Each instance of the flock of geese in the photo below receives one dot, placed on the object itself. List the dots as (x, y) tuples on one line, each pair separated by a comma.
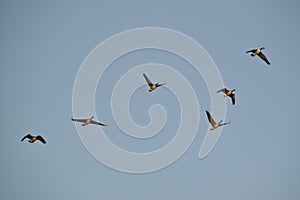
[(153, 86)]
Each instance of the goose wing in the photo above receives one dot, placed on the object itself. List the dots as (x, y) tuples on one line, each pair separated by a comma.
[(225, 123), (210, 119), (161, 84), (147, 80), (262, 56), (97, 123), (222, 90), (26, 136), (251, 51), (40, 138), (232, 96), (78, 120)]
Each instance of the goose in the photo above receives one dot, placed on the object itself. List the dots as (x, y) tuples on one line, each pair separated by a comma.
[(258, 52), (214, 124), (32, 138), (88, 121), (228, 93), (152, 86)]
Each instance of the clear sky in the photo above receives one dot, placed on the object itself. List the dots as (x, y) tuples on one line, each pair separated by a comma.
[(43, 44)]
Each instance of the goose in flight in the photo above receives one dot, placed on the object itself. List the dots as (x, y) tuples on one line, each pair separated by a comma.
[(152, 86), (214, 124), (86, 122), (258, 52), (32, 138), (228, 93)]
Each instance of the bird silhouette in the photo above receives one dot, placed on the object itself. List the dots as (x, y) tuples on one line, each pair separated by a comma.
[(213, 123), (228, 93), (258, 52), (88, 121), (151, 85), (32, 138)]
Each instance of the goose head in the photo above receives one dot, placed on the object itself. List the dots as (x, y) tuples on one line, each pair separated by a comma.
[(262, 48)]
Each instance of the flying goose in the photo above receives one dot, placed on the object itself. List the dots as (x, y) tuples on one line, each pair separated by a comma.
[(88, 121), (258, 52), (213, 123), (32, 138), (228, 93), (152, 86)]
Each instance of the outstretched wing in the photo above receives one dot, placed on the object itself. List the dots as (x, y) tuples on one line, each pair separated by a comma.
[(26, 136), (147, 80), (232, 98), (160, 84), (210, 118), (78, 120), (226, 123), (222, 90), (40, 138), (97, 123), (252, 51), (262, 56)]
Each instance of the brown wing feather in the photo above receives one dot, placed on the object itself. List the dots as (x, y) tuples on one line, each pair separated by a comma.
[(40, 138), (262, 56), (232, 98), (226, 123), (252, 51), (97, 123), (26, 136), (147, 80), (78, 120), (222, 90), (161, 84), (210, 118)]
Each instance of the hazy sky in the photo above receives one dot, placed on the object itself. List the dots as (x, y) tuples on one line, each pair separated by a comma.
[(43, 44)]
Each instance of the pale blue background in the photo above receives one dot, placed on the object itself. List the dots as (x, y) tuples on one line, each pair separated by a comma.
[(42, 46)]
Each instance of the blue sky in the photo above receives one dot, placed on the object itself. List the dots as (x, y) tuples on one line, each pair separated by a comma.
[(43, 44)]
